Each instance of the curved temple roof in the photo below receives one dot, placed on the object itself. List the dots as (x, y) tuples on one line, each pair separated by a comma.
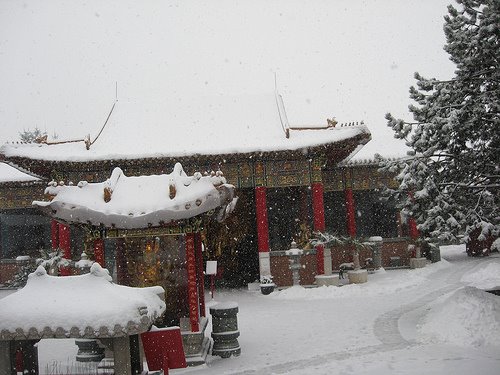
[(84, 306), (8, 173), (139, 202), (179, 127)]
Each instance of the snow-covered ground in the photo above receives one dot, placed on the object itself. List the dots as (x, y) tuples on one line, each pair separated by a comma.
[(426, 321)]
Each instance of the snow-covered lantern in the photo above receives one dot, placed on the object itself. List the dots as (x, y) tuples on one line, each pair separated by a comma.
[(294, 254)]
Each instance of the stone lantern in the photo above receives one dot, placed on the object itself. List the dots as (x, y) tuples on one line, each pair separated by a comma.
[(376, 243), (294, 254)]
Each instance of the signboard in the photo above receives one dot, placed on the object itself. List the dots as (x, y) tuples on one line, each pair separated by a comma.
[(211, 267)]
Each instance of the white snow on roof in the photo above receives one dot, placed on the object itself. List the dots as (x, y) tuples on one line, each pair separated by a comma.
[(180, 126), (353, 60), (90, 300), (10, 174), (137, 202)]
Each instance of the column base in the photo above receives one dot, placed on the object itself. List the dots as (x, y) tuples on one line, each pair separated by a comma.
[(196, 345), (264, 263), (418, 262), (357, 277)]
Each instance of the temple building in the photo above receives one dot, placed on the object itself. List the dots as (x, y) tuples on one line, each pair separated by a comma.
[(291, 180)]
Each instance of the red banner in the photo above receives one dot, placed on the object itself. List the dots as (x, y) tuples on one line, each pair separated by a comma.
[(192, 283)]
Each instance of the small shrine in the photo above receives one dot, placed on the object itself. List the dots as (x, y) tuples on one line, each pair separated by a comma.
[(86, 306), (153, 226)]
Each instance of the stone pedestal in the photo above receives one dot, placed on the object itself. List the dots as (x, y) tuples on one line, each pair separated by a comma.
[(418, 263), (327, 280), (357, 276), (196, 345), (376, 243), (294, 254), (225, 329), (327, 255)]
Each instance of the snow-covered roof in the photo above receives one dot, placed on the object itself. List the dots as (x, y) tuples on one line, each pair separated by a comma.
[(138, 202), (89, 305), (178, 126), (8, 173)]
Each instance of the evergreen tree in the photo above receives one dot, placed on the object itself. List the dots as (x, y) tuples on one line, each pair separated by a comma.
[(30, 136), (52, 260), (450, 181), (20, 278)]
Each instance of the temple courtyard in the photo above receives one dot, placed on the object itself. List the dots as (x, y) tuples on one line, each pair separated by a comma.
[(433, 320)]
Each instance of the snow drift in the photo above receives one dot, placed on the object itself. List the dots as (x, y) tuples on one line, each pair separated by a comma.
[(466, 317)]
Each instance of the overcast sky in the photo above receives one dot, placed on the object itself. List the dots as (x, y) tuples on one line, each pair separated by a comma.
[(353, 60)]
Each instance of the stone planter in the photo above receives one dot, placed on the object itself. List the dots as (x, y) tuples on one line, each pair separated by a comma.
[(357, 276), (327, 280), (418, 263), (266, 289)]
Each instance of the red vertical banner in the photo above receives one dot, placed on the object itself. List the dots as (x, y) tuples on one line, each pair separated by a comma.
[(192, 283), (54, 234), (65, 246), (99, 252), (200, 273), (351, 218), (262, 223), (318, 223)]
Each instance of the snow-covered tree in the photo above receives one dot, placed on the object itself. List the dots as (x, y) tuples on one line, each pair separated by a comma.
[(20, 278), (450, 181), (52, 260), (30, 136)]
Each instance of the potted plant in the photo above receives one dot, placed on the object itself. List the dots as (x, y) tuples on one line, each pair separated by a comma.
[(267, 284)]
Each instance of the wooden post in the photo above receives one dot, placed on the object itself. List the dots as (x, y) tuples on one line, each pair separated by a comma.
[(200, 273), (319, 223), (65, 246), (318, 209), (351, 216), (192, 283), (121, 351), (262, 230), (54, 231), (5, 358), (262, 222), (99, 252), (412, 228), (123, 277)]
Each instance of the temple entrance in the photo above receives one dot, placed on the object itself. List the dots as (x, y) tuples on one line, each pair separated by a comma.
[(233, 244), (156, 260)]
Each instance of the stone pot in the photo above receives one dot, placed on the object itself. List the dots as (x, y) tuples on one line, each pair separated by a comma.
[(266, 289)]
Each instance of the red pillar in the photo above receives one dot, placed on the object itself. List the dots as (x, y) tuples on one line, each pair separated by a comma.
[(54, 231), (351, 218), (318, 223), (412, 229), (194, 318), (65, 246), (262, 223), (201, 275), (99, 252)]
